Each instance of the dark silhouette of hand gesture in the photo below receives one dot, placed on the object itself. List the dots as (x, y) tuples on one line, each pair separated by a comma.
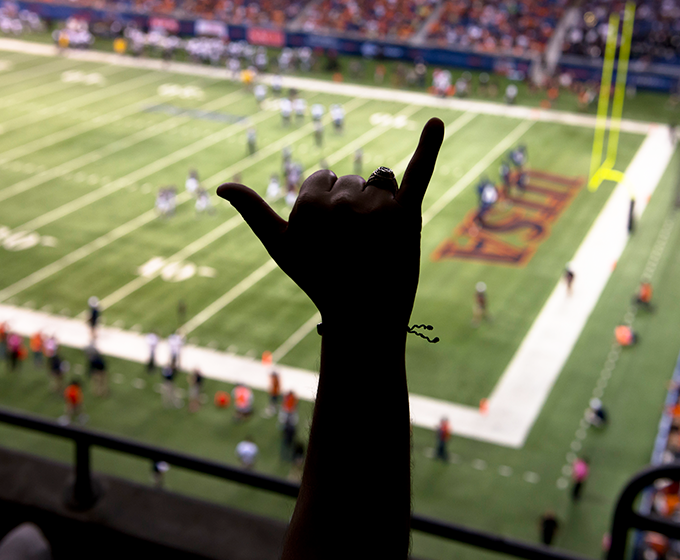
[(353, 246)]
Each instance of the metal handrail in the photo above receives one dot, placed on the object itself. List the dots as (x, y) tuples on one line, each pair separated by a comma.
[(84, 492)]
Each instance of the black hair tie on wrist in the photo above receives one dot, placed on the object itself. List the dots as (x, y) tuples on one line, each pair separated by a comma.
[(411, 330)]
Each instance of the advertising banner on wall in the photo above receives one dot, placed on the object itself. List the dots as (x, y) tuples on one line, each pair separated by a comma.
[(210, 27), (168, 24), (265, 37)]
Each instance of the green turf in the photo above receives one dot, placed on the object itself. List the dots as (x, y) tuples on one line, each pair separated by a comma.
[(463, 368)]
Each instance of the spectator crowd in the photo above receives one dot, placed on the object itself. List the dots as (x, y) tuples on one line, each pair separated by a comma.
[(516, 27), (656, 32)]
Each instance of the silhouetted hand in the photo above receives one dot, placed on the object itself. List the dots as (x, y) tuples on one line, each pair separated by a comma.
[(352, 246)]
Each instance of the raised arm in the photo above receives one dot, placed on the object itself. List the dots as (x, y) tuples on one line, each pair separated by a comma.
[(354, 247)]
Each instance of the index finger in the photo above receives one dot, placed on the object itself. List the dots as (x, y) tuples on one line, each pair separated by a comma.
[(419, 171)]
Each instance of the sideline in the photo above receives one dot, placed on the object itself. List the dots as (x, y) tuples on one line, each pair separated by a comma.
[(320, 86)]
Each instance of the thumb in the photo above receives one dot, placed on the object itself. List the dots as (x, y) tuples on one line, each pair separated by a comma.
[(264, 222)]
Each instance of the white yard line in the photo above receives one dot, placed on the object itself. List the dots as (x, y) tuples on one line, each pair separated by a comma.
[(333, 88), (219, 304), (446, 198), (100, 153), (66, 106)]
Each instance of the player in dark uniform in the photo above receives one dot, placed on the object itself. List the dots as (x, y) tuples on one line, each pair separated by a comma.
[(506, 178), (569, 277), (93, 304), (480, 308)]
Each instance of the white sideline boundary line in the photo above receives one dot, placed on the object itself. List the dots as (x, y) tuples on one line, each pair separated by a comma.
[(519, 395), (350, 90), (100, 153), (439, 204)]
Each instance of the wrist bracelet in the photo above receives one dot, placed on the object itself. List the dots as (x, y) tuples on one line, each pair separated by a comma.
[(410, 330)]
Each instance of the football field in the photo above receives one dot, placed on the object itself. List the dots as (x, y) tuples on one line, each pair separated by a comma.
[(84, 149)]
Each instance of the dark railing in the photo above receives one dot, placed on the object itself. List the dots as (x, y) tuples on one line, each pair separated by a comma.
[(84, 491)]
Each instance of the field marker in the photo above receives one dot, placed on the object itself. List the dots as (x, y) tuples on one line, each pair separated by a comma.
[(45, 89), (75, 104), (37, 71), (102, 152)]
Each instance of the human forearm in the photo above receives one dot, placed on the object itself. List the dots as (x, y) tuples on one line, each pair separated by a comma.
[(355, 494)]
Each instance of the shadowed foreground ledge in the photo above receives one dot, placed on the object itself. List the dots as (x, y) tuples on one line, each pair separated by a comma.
[(129, 520)]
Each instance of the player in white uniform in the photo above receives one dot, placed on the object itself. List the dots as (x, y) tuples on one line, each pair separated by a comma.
[(338, 116), (277, 84), (300, 107), (317, 111), (192, 182), (260, 93), (203, 202), (286, 109)]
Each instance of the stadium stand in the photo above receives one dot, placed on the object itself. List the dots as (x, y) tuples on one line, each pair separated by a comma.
[(663, 499), (497, 25), (394, 20), (656, 35)]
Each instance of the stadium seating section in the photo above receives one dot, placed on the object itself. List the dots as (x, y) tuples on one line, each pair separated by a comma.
[(656, 36), (509, 26)]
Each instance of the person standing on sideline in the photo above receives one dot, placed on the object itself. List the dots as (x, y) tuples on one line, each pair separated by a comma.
[(73, 397), (644, 295), (288, 439), (243, 402), (569, 278), (251, 135), (246, 451), (195, 387), (175, 342), (152, 341), (168, 387), (548, 526), (580, 471), (4, 329), (358, 161), (480, 307), (274, 395), (443, 436), (95, 313), (36, 344)]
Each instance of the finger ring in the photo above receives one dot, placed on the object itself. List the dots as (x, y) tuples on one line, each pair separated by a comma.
[(383, 178)]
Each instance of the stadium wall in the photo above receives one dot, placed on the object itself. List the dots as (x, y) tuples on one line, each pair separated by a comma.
[(658, 77)]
